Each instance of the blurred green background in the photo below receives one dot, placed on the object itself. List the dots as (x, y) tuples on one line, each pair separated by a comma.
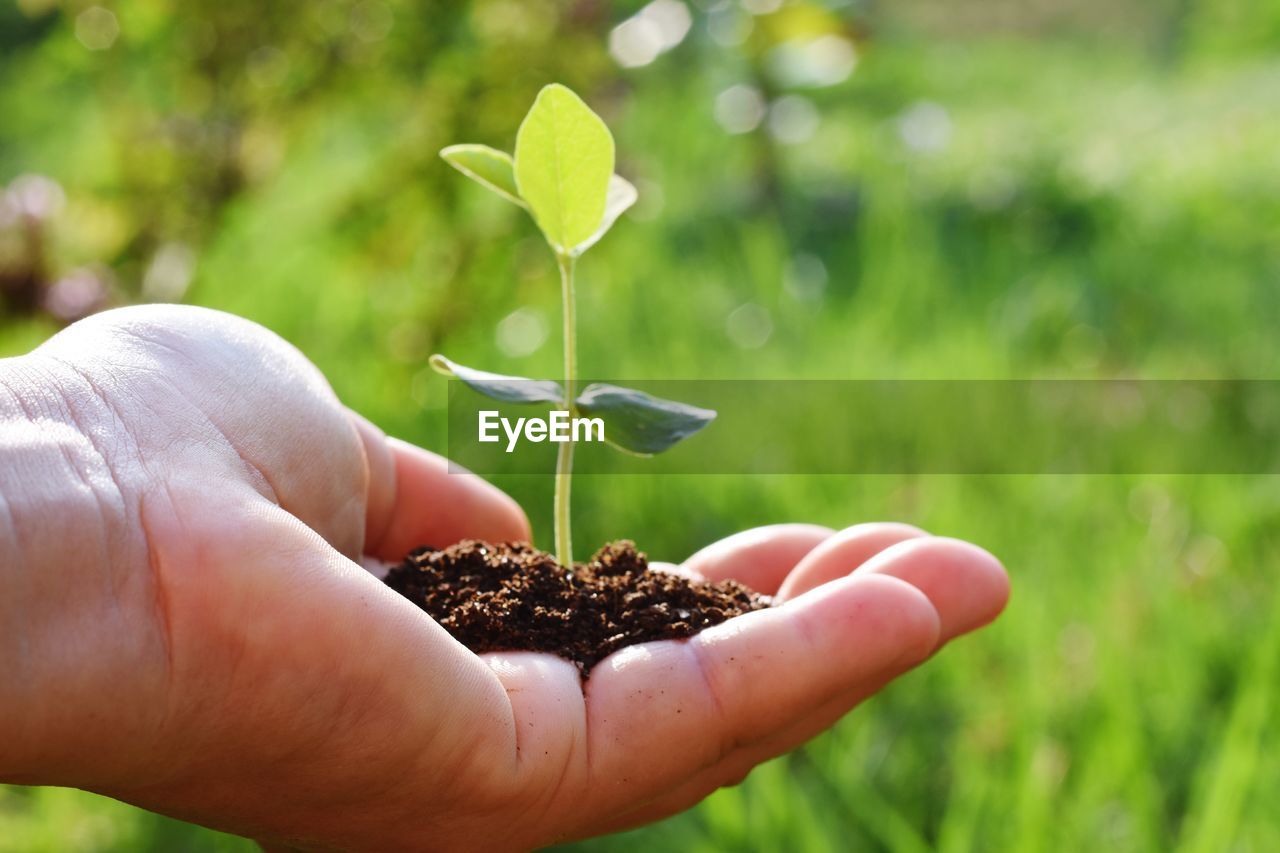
[(828, 190)]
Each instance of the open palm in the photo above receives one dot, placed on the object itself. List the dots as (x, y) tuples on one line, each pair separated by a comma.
[(261, 681)]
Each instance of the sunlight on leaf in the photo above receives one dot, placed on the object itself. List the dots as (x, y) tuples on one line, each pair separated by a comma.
[(563, 167)]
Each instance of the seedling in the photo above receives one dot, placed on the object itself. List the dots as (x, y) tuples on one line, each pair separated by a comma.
[(562, 173)]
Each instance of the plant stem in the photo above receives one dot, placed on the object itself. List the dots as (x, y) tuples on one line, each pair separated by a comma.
[(564, 458)]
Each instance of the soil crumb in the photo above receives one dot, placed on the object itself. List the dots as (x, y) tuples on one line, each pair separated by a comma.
[(513, 597)]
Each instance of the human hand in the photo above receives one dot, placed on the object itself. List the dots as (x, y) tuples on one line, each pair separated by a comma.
[(207, 646)]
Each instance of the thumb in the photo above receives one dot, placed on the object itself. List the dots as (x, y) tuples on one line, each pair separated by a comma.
[(416, 498)]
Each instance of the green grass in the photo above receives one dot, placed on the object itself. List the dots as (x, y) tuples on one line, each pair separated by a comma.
[(1091, 216)]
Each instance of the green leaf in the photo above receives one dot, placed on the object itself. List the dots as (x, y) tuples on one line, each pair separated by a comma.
[(487, 166), (622, 194), (507, 389), (641, 423), (564, 160)]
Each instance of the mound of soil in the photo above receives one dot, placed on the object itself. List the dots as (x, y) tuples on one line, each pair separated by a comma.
[(513, 597)]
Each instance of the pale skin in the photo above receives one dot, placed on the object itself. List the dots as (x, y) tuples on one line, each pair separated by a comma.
[(185, 623)]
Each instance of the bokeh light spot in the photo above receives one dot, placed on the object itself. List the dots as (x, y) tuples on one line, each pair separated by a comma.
[(805, 278), (749, 326), (823, 61), (371, 21), (740, 108), (521, 333), (925, 127), (169, 273), (793, 119), (97, 28), (729, 26), (649, 33)]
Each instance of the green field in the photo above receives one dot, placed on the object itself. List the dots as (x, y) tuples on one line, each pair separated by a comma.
[(1046, 204)]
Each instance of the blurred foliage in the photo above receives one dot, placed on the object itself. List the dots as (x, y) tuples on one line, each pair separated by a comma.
[(834, 190)]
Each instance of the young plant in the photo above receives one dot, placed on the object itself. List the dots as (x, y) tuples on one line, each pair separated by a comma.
[(562, 173)]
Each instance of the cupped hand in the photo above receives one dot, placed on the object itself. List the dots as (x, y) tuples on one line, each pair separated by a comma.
[(224, 658)]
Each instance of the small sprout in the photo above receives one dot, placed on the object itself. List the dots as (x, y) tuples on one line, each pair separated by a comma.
[(562, 173)]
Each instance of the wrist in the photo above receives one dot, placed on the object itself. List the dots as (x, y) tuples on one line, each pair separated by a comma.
[(64, 526)]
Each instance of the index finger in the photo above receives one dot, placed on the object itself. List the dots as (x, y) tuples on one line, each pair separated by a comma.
[(759, 558)]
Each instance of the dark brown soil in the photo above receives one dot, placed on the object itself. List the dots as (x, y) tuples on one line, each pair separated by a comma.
[(513, 597)]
